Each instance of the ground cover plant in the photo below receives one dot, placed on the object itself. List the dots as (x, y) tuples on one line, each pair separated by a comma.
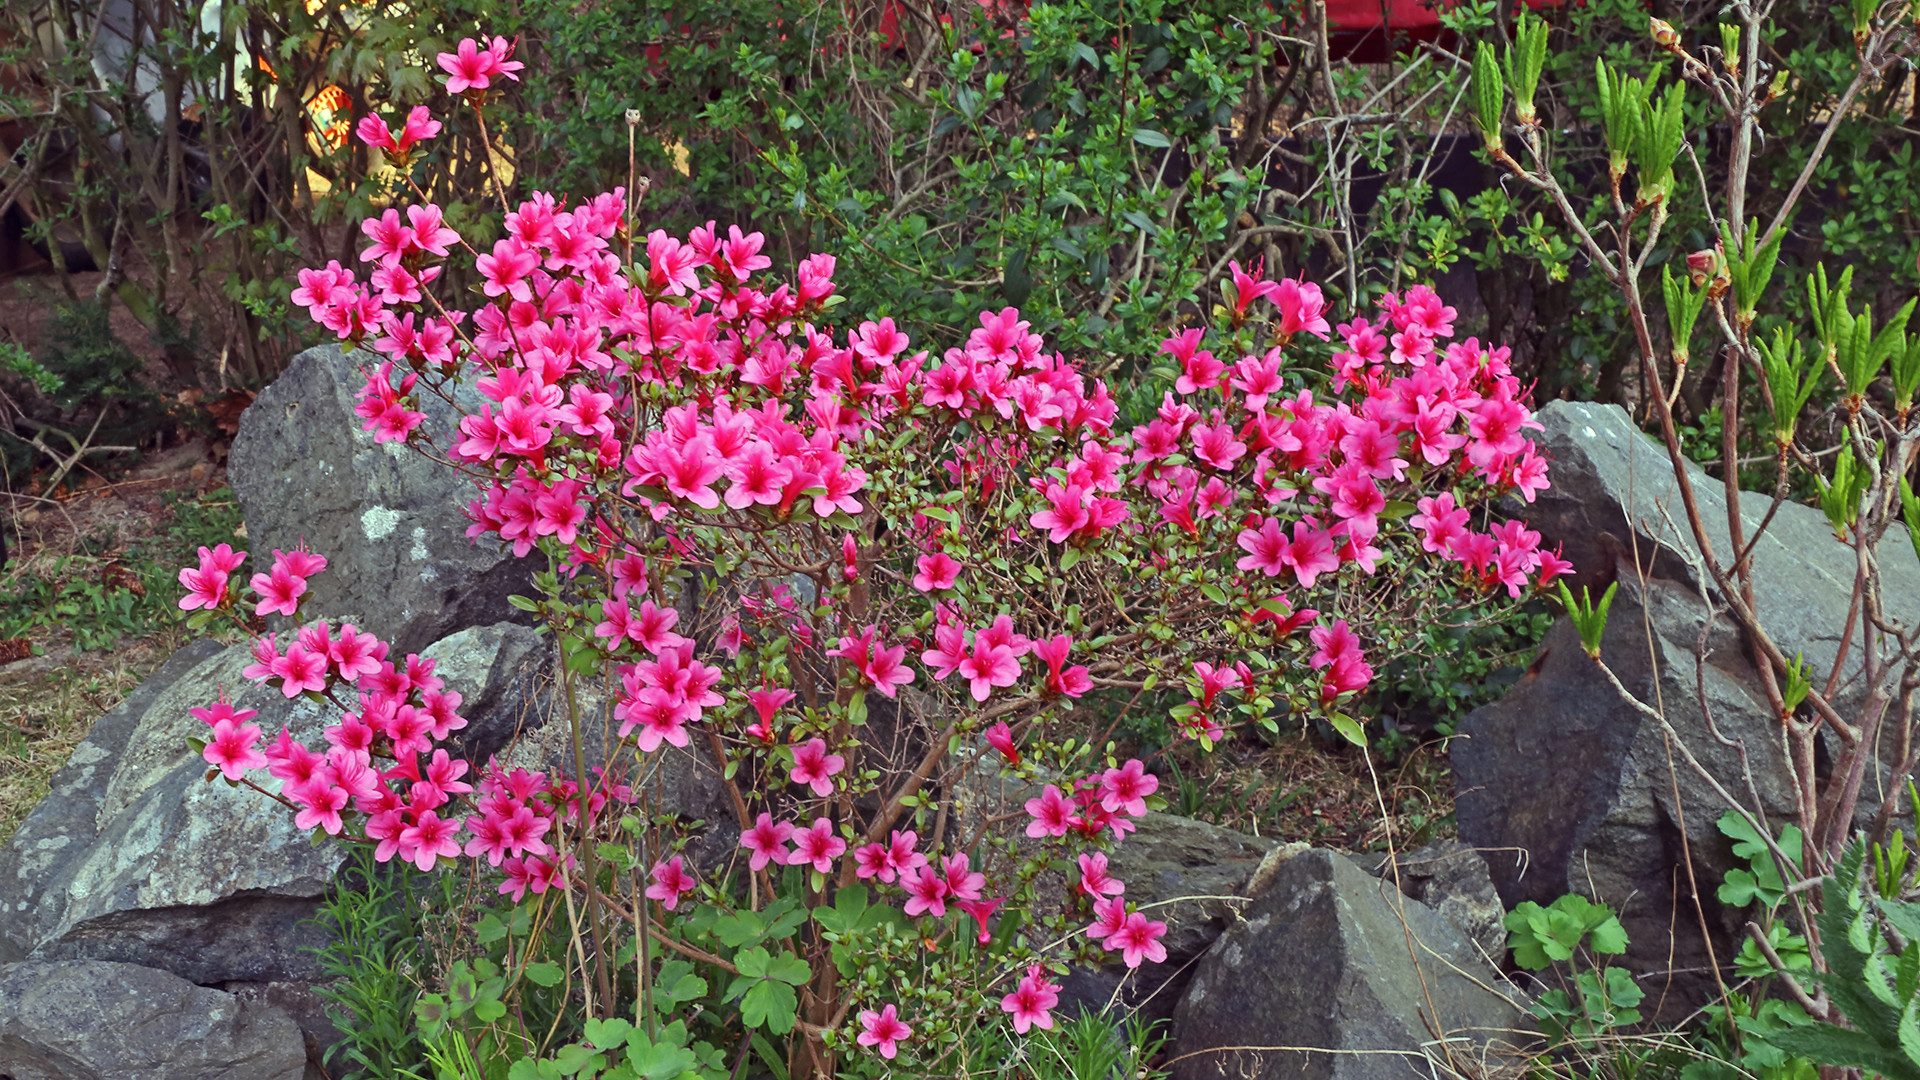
[(899, 601)]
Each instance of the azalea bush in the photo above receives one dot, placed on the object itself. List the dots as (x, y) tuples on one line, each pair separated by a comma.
[(896, 602)]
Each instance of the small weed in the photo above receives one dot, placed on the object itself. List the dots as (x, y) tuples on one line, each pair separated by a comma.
[(373, 966), (199, 521)]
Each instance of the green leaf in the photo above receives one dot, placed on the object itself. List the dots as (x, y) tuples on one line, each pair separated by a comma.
[(739, 928), (685, 988), (1349, 729), (1737, 889), (1489, 94), (1609, 937), (574, 1059), (607, 1034), (753, 962), (545, 972), (1150, 137), (772, 1005), (1829, 1044), (658, 1061), (789, 969)]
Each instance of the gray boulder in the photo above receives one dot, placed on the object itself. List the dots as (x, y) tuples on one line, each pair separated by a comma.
[(1188, 874), (390, 522), (1613, 485), (94, 1020), (1335, 976), (1453, 880), (1569, 788)]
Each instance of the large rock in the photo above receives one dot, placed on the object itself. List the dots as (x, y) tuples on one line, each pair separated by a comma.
[(1188, 874), (389, 520), (1355, 980), (1452, 879), (93, 1020), (134, 857), (1613, 484), (1569, 788)]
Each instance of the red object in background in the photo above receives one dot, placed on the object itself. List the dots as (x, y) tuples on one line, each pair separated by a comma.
[(1349, 16), (1373, 31), (1364, 31)]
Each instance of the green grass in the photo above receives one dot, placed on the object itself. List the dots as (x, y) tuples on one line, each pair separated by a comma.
[(115, 604)]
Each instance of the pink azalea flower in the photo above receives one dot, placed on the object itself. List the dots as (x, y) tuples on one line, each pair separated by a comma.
[(355, 654), (1301, 308), (320, 801), (670, 882), (1073, 681), (927, 894), (222, 709), (1265, 548), (1125, 789), (935, 572), (816, 845), (1052, 814), (813, 766), (1032, 1001), (949, 651), (768, 841), (1247, 288), (988, 666), (982, 912), (279, 592), (300, 670), (428, 839), (1139, 939), (207, 585), (1000, 737), (1109, 916), (882, 1030), (870, 860), (1095, 881), (475, 68), (1334, 643), (234, 748), (884, 670)]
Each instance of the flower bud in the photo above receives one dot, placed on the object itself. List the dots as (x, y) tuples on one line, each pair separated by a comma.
[(1664, 35), (1703, 265)]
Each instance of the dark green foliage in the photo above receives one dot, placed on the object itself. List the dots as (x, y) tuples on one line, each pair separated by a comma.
[(1451, 669), (374, 965)]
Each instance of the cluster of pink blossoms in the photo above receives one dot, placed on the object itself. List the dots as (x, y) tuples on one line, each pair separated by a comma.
[(682, 388), (382, 758)]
